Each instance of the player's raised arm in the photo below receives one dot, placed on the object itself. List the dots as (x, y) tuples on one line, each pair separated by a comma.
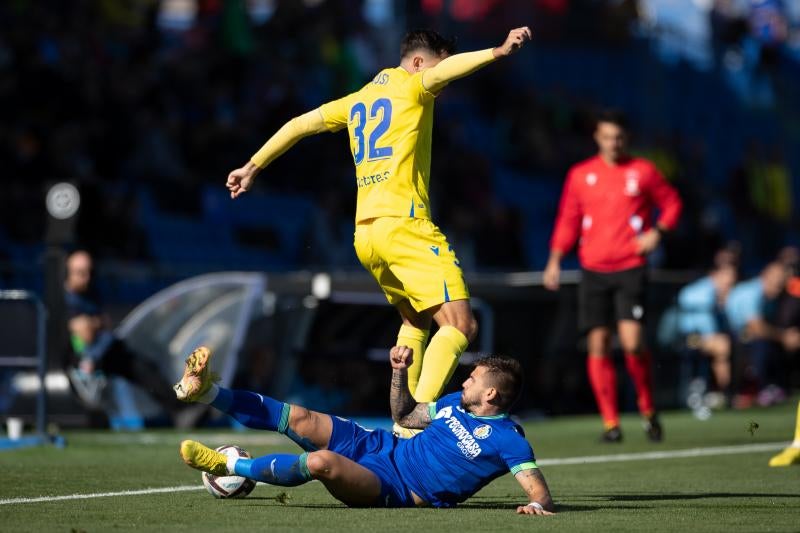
[(241, 179), (534, 485), (406, 411), (459, 65)]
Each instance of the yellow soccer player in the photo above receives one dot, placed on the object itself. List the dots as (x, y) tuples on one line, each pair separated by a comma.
[(791, 455), (390, 121)]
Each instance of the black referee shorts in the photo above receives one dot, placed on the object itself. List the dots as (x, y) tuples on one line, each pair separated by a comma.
[(604, 298)]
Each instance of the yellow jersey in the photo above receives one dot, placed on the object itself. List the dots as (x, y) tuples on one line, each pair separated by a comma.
[(390, 121)]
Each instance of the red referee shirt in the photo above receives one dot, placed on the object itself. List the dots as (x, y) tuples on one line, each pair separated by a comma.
[(608, 206)]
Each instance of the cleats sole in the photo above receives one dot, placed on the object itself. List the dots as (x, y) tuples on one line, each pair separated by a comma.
[(196, 379)]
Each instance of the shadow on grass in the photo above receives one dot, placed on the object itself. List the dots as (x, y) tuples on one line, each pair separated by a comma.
[(499, 506), (684, 496), (510, 503), (283, 501)]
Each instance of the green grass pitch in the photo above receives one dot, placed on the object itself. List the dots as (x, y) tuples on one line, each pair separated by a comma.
[(725, 492)]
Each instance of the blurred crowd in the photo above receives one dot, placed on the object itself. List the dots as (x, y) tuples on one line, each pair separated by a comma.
[(165, 97), (146, 105)]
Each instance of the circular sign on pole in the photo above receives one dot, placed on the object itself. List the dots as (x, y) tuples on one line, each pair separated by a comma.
[(63, 200)]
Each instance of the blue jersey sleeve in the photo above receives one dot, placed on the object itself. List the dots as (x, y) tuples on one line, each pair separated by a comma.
[(517, 452), (449, 400)]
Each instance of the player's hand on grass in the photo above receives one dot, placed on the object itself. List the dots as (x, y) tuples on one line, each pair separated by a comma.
[(401, 357), (648, 241), (516, 38), (530, 509), (241, 179)]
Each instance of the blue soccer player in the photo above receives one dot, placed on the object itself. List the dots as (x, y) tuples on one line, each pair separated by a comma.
[(469, 440)]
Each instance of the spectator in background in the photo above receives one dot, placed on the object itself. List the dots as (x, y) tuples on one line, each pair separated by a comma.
[(751, 310), (728, 20), (98, 354), (770, 28), (607, 207), (788, 314), (789, 317), (704, 325)]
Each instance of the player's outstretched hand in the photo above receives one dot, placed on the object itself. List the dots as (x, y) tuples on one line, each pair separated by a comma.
[(529, 509), (241, 179), (401, 357), (516, 38)]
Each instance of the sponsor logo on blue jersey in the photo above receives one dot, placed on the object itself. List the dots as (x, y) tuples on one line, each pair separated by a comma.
[(466, 442)]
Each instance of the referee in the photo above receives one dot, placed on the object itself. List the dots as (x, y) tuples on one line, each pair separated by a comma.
[(607, 207)]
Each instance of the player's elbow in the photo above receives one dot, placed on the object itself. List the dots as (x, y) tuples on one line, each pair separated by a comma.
[(397, 416), (471, 329), (409, 422), (400, 419)]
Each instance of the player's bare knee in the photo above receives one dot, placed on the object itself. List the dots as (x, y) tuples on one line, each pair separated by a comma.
[(599, 341), (300, 418), (633, 346), (321, 464), (464, 321), (470, 328)]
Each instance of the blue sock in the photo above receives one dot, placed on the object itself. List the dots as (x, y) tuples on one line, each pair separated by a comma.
[(253, 410), (276, 469)]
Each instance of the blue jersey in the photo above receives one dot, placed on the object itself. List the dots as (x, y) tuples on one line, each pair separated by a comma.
[(747, 302), (459, 453)]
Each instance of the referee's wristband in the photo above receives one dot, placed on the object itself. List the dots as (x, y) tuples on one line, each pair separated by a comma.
[(536, 505)]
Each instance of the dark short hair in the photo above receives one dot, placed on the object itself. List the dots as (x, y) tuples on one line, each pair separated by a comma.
[(505, 375), (612, 116), (428, 40)]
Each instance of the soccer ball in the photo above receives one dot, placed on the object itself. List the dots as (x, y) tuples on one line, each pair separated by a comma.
[(229, 486)]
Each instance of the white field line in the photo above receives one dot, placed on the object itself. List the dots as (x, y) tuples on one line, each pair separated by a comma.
[(670, 454), (48, 499), (611, 458), (209, 439)]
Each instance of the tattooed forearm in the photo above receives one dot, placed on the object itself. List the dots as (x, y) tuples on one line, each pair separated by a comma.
[(534, 484), (418, 418), (400, 399)]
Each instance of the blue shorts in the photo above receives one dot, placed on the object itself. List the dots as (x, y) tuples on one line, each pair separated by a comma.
[(374, 450)]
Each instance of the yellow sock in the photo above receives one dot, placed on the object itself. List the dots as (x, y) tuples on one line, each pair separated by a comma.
[(416, 339), (797, 427), (441, 359)]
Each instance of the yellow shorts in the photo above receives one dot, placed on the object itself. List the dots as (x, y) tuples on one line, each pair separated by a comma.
[(411, 260)]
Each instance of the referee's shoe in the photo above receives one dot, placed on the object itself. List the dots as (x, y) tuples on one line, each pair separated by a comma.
[(653, 429), (611, 434)]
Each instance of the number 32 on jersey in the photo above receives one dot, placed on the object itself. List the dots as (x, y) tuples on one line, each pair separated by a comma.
[(367, 143)]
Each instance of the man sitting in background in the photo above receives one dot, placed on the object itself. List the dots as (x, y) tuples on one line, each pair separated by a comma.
[(702, 321), (98, 354), (750, 309)]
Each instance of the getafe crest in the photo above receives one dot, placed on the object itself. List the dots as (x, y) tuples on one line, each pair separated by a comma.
[(481, 432)]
